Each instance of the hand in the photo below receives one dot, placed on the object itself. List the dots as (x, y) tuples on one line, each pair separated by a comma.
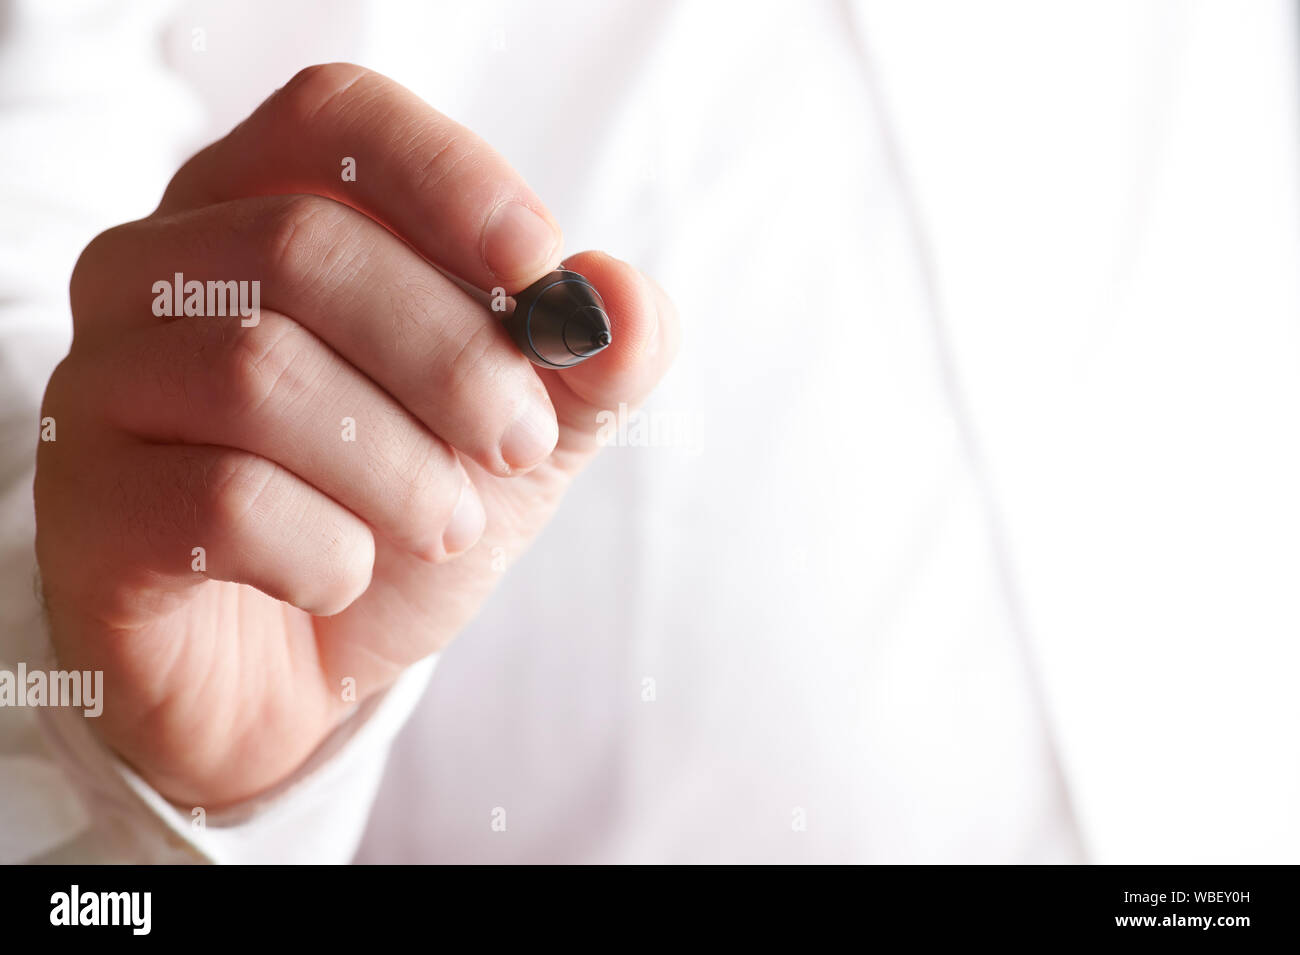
[(323, 560)]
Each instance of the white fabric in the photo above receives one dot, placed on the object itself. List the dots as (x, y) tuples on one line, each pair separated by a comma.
[(978, 536)]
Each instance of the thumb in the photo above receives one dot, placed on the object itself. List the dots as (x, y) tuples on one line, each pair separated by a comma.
[(645, 334)]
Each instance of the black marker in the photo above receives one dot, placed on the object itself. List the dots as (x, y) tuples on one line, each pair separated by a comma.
[(559, 321)]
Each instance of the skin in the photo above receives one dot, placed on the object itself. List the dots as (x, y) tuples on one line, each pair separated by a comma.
[(326, 561)]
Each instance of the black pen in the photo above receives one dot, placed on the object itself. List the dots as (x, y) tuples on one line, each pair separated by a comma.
[(559, 321)]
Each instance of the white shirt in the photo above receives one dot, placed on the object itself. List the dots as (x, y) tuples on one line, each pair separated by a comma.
[(970, 529)]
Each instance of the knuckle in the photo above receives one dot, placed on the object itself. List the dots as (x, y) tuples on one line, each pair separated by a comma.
[(63, 380), (447, 149), (294, 235), (316, 89), (258, 364), (468, 362), (85, 287), (232, 489)]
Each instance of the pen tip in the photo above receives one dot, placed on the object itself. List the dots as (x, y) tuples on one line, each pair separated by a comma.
[(601, 339)]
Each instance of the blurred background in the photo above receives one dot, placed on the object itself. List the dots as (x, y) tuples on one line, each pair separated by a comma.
[(966, 526)]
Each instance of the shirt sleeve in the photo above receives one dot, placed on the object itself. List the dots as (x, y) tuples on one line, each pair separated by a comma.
[(317, 815)]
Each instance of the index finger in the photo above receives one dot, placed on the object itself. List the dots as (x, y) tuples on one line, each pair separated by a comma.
[(427, 178)]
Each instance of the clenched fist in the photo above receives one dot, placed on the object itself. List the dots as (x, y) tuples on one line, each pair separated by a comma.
[(241, 512)]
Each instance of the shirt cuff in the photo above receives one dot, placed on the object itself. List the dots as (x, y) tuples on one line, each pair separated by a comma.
[(316, 816)]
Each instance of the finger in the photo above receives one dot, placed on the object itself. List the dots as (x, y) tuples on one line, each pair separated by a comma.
[(183, 515), (420, 607), (646, 336), (277, 391), (424, 176), (440, 353)]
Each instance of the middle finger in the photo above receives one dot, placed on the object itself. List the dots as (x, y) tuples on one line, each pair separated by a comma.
[(356, 286)]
